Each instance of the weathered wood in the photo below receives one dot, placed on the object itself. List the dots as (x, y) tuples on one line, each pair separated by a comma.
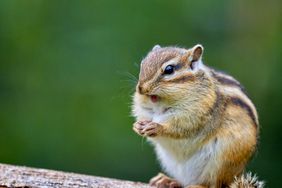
[(16, 176)]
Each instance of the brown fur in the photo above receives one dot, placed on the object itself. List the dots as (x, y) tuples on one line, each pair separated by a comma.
[(183, 79), (155, 59), (242, 142)]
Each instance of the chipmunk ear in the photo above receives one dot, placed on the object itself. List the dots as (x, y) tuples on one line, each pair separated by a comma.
[(196, 53), (156, 47)]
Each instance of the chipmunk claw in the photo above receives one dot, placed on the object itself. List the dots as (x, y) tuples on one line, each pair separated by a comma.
[(152, 129), (163, 181), (147, 128), (139, 126)]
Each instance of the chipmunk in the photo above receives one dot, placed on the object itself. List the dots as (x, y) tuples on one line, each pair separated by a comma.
[(203, 126)]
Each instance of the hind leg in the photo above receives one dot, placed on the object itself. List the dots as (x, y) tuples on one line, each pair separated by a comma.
[(163, 181)]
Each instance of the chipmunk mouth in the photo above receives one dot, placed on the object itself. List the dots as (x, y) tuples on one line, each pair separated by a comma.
[(154, 98)]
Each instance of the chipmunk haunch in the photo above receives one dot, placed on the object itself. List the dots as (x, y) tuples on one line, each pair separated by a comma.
[(203, 126)]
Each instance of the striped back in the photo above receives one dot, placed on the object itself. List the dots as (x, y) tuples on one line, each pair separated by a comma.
[(235, 93)]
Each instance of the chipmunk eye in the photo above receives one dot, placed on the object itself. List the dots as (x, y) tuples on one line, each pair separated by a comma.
[(169, 69)]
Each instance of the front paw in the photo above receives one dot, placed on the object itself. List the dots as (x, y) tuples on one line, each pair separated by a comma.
[(148, 128)]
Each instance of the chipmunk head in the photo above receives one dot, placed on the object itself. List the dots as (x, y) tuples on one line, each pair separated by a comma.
[(170, 71)]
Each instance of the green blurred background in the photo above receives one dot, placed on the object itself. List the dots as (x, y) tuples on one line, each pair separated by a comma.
[(66, 84)]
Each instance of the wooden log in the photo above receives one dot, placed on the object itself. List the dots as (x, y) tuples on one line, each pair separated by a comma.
[(25, 177)]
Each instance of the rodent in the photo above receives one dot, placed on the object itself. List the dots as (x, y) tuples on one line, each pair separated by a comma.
[(203, 126)]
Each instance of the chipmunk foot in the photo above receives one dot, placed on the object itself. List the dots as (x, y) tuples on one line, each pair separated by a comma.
[(163, 181)]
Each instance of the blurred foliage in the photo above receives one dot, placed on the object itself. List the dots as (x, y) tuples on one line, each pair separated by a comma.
[(66, 84)]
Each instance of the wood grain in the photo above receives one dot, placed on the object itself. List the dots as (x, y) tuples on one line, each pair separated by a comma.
[(18, 176)]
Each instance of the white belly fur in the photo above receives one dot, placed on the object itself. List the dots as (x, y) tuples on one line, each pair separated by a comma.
[(183, 161)]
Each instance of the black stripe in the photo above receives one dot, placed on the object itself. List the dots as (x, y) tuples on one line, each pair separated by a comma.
[(227, 81), (182, 79), (239, 102)]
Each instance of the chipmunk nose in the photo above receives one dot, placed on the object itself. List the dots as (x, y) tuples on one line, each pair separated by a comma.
[(141, 89)]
